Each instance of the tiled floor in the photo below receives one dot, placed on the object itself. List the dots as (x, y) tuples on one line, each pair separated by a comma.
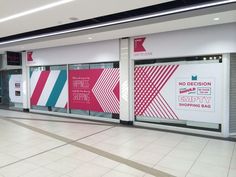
[(32, 146)]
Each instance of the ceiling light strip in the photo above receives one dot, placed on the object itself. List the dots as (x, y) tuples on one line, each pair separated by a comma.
[(28, 12), (170, 12)]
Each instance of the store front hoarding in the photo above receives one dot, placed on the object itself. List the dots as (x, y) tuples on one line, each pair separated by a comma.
[(181, 92), (94, 90)]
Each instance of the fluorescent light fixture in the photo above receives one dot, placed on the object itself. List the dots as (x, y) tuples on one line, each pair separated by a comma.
[(90, 38), (216, 19), (118, 22), (38, 9)]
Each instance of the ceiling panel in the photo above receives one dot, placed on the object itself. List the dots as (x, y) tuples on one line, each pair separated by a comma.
[(81, 9), (10, 7)]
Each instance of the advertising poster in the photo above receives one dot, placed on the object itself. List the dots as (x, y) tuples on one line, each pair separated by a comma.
[(94, 90), (15, 88), (195, 94), (49, 88), (181, 92)]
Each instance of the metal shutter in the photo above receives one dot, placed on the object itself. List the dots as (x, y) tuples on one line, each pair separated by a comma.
[(232, 121)]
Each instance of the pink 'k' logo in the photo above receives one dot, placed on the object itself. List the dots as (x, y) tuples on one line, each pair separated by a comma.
[(138, 44), (29, 56)]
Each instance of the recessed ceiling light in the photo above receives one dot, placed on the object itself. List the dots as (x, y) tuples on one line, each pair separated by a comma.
[(216, 19), (73, 18), (38, 9), (90, 38)]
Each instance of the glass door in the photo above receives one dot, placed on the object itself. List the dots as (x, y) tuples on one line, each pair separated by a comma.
[(5, 101)]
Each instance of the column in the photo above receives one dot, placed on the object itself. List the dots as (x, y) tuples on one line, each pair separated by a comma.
[(25, 88), (126, 86), (226, 94)]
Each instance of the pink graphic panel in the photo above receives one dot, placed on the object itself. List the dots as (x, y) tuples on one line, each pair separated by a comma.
[(81, 83), (39, 87), (94, 89), (149, 81)]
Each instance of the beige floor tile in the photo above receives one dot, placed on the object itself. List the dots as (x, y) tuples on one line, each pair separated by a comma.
[(166, 141), (185, 154), (128, 170), (156, 147), (114, 173), (17, 169), (148, 175), (135, 144), (105, 146), (232, 173), (44, 158), (233, 163), (64, 165), (173, 172), (83, 155), (66, 150), (41, 172), (89, 170), (189, 145), (222, 161), (176, 163), (208, 170), (7, 159), (124, 152), (147, 157), (193, 175), (105, 162)]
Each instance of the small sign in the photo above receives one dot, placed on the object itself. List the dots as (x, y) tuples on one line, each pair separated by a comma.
[(14, 58), (29, 56)]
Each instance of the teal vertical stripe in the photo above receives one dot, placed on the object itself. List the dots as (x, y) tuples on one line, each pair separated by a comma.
[(56, 91)]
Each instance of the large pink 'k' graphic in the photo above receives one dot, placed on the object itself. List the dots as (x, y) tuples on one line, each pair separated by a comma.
[(149, 81), (105, 90)]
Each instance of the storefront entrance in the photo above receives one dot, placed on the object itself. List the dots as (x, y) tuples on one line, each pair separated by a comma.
[(8, 88), (181, 92)]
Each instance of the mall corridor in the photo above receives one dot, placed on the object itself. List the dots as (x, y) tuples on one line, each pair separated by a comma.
[(34, 145), (112, 88)]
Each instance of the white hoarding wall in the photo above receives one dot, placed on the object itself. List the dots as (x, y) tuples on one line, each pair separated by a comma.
[(180, 91), (105, 51), (190, 42), (15, 88)]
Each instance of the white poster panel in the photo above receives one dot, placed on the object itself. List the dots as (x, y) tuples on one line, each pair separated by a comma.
[(15, 88), (181, 91)]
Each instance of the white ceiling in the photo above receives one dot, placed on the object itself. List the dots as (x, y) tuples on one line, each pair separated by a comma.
[(81, 9), (170, 25)]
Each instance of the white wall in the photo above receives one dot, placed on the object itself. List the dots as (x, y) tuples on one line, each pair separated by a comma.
[(199, 41), (104, 51)]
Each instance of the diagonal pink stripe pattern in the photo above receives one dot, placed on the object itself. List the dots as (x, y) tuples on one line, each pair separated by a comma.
[(103, 90), (149, 81)]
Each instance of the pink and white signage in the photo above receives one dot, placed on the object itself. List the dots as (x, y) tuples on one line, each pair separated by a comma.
[(139, 48), (94, 89), (185, 92), (195, 94)]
